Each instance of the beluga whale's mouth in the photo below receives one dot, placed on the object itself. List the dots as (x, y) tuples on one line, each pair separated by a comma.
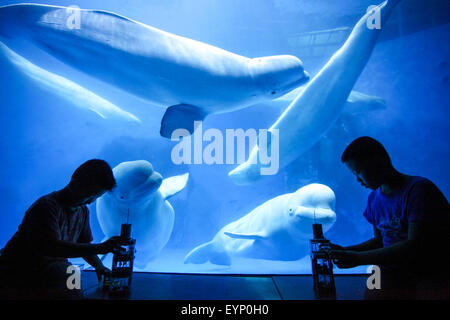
[(306, 77), (277, 75)]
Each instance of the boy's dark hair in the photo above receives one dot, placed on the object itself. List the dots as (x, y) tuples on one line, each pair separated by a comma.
[(93, 175), (364, 150)]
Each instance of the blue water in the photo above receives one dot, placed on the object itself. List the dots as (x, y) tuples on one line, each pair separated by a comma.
[(44, 138)]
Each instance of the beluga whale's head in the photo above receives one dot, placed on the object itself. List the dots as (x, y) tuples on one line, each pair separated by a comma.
[(313, 203), (277, 75), (136, 181)]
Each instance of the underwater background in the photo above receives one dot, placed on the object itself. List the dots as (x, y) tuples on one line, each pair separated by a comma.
[(44, 138)]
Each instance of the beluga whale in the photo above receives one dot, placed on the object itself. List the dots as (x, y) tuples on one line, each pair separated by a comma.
[(140, 198), (278, 229), (69, 90), (322, 100), (188, 78)]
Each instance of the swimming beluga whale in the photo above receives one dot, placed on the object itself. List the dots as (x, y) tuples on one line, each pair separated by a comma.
[(189, 78), (357, 102), (141, 198), (278, 229), (321, 102), (69, 90)]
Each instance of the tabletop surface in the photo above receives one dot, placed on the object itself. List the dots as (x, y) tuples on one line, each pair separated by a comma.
[(164, 286)]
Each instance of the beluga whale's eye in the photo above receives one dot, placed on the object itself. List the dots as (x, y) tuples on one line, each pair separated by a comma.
[(121, 196)]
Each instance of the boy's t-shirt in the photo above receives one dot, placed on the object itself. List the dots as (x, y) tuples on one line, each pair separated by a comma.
[(419, 200), (46, 220)]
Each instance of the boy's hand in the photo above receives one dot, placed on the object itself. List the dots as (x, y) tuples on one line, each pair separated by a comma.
[(110, 245), (336, 247), (345, 259), (332, 246), (102, 271)]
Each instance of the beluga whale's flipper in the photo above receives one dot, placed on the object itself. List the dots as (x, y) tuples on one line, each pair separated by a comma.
[(244, 236), (316, 108), (208, 252), (181, 116)]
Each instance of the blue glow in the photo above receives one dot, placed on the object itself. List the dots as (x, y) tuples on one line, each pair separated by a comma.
[(401, 99)]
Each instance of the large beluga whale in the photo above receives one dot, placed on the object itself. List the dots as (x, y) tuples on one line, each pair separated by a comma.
[(69, 90), (189, 78), (278, 229), (321, 102), (140, 198)]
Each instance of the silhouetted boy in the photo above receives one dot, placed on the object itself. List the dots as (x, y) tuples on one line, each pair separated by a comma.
[(54, 228), (411, 224)]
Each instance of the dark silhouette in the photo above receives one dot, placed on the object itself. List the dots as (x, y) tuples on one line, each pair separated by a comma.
[(34, 264), (411, 224)]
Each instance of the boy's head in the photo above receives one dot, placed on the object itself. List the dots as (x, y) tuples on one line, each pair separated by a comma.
[(91, 180), (368, 160)]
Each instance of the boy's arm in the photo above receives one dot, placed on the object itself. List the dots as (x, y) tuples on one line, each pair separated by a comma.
[(100, 269), (66, 249), (424, 239), (44, 236), (418, 240), (94, 261), (374, 243)]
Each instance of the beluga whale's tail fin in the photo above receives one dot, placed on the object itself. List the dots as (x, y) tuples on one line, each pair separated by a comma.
[(208, 252)]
